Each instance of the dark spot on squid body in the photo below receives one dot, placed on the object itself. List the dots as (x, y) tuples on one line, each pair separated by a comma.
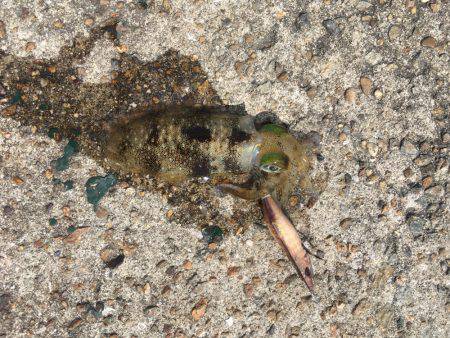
[(238, 136), (231, 165), (201, 167), (197, 133), (153, 136), (152, 165)]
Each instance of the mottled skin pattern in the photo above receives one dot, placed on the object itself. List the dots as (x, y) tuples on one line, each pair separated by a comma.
[(181, 143)]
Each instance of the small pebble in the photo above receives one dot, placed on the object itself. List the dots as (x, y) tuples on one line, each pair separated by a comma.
[(112, 258), (408, 173), (30, 46), (407, 147), (248, 289), (346, 223), (293, 201), (9, 111), (331, 26), (423, 160), (212, 234), (8, 210), (233, 271), (394, 32), (347, 178), (378, 94), (169, 213), (301, 22), (342, 137), (101, 212), (446, 138), (429, 42), (438, 113), (2, 30), (435, 6), (372, 148), (283, 76), (187, 265), (58, 24), (17, 180), (350, 95), (74, 324), (311, 92), (199, 309), (426, 182), (366, 85), (89, 22), (416, 225)]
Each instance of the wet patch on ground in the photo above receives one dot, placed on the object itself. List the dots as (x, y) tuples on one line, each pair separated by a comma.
[(50, 95)]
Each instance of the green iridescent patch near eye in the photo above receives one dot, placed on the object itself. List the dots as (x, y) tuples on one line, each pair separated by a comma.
[(278, 159), (274, 128)]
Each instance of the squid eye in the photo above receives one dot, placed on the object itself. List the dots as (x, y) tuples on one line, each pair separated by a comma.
[(270, 168), (273, 163)]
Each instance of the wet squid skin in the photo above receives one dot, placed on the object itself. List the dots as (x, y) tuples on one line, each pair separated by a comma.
[(179, 144), (182, 143)]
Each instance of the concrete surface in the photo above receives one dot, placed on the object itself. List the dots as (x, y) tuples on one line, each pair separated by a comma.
[(371, 77)]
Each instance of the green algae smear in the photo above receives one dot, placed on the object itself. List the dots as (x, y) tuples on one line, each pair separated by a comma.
[(98, 186), (70, 149)]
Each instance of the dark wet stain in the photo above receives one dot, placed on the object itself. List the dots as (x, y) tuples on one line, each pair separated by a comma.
[(52, 94), (197, 133), (238, 136)]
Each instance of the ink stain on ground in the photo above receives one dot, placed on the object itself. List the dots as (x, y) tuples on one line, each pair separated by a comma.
[(97, 187), (70, 149), (212, 234)]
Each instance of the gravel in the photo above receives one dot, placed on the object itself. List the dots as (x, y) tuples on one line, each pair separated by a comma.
[(370, 78)]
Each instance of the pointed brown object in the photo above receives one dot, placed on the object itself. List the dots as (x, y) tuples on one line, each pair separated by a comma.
[(287, 236)]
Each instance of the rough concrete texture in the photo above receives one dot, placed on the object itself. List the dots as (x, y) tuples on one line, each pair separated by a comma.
[(371, 77)]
